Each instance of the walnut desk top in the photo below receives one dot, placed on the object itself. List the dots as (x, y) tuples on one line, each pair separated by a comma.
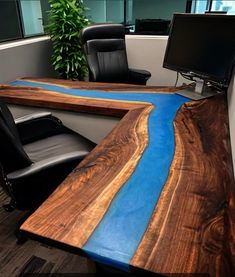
[(156, 194)]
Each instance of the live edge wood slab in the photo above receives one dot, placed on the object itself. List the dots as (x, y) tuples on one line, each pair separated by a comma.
[(156, 194)]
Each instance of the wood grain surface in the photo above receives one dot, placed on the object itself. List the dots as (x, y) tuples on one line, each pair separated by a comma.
[(38, 97), (81, 200), (103, 86), (192, 229)]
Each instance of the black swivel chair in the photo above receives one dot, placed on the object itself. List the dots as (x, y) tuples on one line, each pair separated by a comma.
[(37, 152), (105, 51)]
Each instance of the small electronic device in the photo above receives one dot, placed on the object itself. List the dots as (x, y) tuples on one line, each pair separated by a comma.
[(202, 48)]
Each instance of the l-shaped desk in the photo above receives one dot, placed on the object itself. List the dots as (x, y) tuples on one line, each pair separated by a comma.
[(156, 194)]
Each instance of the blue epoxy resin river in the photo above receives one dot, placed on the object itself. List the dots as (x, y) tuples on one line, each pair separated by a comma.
[(120, 231)]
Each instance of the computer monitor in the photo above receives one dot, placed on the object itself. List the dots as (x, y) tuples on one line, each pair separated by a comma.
[(152, 26), (203, 46)]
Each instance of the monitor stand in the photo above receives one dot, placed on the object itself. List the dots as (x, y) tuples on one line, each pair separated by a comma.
[(198, 90)]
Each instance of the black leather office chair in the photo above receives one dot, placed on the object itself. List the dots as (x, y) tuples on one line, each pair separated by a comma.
[(105, 51), (37, 152)]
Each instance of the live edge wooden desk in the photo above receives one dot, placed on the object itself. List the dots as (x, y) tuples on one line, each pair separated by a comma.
[(156, 194)]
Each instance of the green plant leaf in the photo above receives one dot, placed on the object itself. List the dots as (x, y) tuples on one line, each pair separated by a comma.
[(66, 19), (58, 58)]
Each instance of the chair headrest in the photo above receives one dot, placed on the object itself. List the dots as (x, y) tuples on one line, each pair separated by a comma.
[(102, 31)]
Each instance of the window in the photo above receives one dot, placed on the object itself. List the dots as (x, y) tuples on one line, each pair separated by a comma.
[(105, 10), (227, 6), (9, 20), (27, 18), (22, 18), (201, 6), (128, 11), (152, 9), (32, 17)]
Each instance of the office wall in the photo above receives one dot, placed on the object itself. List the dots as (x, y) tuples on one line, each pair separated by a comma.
[(147, 52), (22, 60), (33, 59)]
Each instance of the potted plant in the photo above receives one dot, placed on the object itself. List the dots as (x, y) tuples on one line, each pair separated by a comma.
[(66, 19)]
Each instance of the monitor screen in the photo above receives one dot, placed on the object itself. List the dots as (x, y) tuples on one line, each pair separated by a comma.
[(202, 45), (152, 26)]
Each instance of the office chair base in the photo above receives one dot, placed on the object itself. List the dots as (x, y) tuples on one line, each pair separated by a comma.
[(20, 239)]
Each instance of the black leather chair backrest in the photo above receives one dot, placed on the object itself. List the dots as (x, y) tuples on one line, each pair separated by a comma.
[(102, 31), (104, 46), (12, 154), (107, 60)]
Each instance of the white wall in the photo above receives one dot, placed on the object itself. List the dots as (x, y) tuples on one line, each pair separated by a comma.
[(29, 57), (147, 52)]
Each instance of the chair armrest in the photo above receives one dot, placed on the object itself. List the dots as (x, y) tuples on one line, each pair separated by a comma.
[(42, 166), (31, 117), (38, 126), (139, 76)]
